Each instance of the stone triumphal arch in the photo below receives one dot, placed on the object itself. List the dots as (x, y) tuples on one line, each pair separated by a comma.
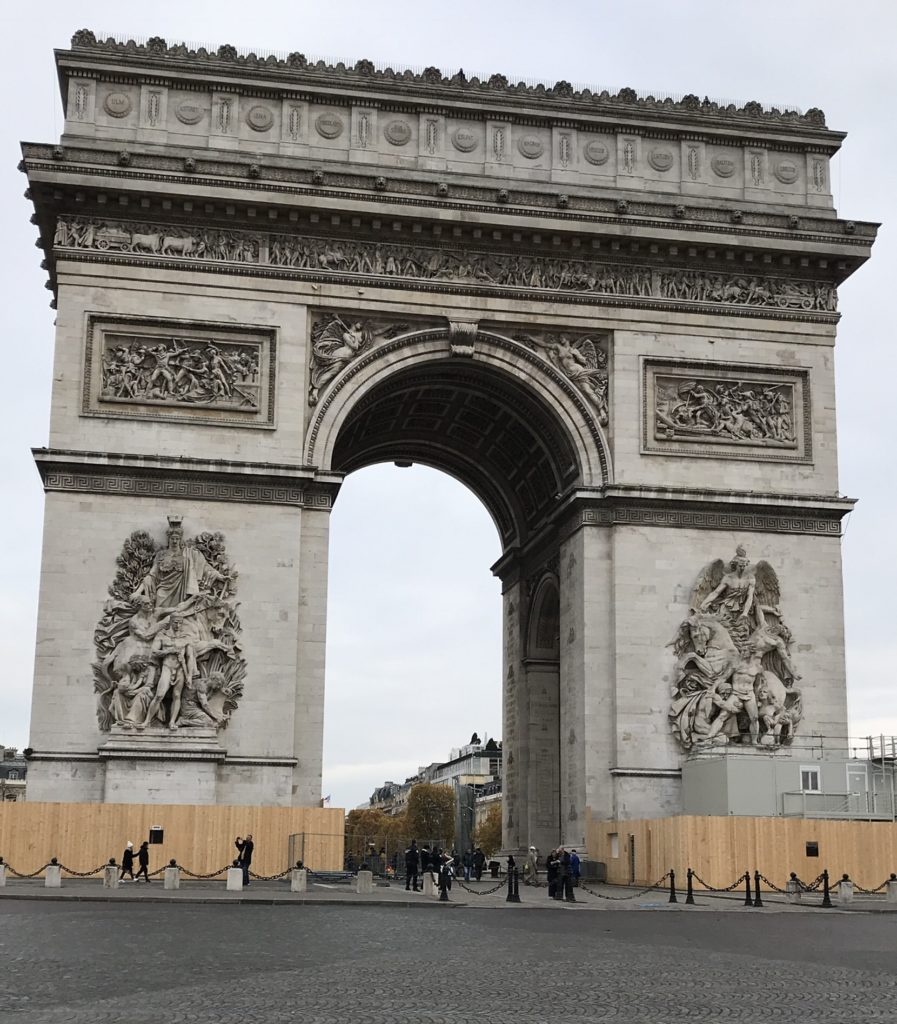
[(612, 317)]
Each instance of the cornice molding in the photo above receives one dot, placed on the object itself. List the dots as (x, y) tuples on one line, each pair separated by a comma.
[(139, 476)]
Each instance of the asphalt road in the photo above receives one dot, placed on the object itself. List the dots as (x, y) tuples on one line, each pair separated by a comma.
[(172, 964)]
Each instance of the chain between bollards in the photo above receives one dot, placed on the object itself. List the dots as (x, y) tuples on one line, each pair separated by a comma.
[(689, 895), (672, 898)]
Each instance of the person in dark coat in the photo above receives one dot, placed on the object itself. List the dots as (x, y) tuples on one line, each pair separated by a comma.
[(424, 859), (467, 863), (551, 872), (143, 861), (575, 867), (127, 863), (245, 848), (479, 862), (565, 888), (412, 865)]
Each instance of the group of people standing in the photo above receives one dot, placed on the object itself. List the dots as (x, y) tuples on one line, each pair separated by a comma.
[(562, 868), (419, 861)]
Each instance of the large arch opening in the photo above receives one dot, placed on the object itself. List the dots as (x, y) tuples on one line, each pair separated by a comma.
[(492, 431), (413, 628), (476, 424)]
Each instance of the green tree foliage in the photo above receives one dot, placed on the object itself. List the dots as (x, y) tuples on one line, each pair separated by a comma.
[(430, 813), (487, 835)]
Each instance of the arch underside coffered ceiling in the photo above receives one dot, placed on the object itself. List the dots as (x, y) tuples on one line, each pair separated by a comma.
[(488, 427)]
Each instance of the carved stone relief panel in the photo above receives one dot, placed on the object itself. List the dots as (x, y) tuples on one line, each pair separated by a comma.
[(726, 410), (168, 652), (734, 679), (176, 371), (338, 339), (581, 358)]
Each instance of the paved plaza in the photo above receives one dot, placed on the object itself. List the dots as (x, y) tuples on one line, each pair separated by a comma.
[(131, 960)]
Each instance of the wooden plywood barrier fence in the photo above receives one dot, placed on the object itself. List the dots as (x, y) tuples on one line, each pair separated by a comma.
[(201, 838), (720, 849)]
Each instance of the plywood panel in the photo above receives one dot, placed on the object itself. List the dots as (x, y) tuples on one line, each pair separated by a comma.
[(83, 836), (720, 849)]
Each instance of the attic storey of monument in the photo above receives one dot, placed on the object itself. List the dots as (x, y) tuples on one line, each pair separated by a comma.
[(612, 318)]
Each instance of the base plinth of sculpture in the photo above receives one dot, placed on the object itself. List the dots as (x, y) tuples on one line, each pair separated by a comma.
[(161, 765)]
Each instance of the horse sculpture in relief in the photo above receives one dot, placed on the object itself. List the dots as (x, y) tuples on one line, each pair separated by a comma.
[(735, 682)]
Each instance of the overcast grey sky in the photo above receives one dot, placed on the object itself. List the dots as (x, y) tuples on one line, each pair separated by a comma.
[(413, 646)]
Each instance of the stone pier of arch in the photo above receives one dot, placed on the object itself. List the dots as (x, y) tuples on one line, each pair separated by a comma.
[(268, 274)]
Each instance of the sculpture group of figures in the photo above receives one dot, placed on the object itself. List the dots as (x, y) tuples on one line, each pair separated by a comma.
[(168, 642), (550, 273), (695, 286), (735, 682), (730, 410), (179, 371)]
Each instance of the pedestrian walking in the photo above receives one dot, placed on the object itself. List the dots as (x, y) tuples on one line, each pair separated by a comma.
[(424, 859), (412, 865), (244, 857), (531, 867), (479, 862), (143, 862), (467, 864), (127, 863), (575, 867)]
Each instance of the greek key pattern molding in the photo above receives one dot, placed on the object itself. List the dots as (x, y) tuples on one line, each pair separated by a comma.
[(702, 519), (187, 486)]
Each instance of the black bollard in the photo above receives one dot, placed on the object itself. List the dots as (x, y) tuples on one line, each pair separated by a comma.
[(673, 887), (748, 902), (826, 896), (758, 902), (513, 894), (689, 894), (443, 888)]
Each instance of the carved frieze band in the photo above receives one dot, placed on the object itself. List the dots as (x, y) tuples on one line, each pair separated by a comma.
[(178, 371), (445, 268), (709, 519), (726, 410)]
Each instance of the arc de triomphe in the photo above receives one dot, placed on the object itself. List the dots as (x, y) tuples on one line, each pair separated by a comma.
[(612, 317)]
